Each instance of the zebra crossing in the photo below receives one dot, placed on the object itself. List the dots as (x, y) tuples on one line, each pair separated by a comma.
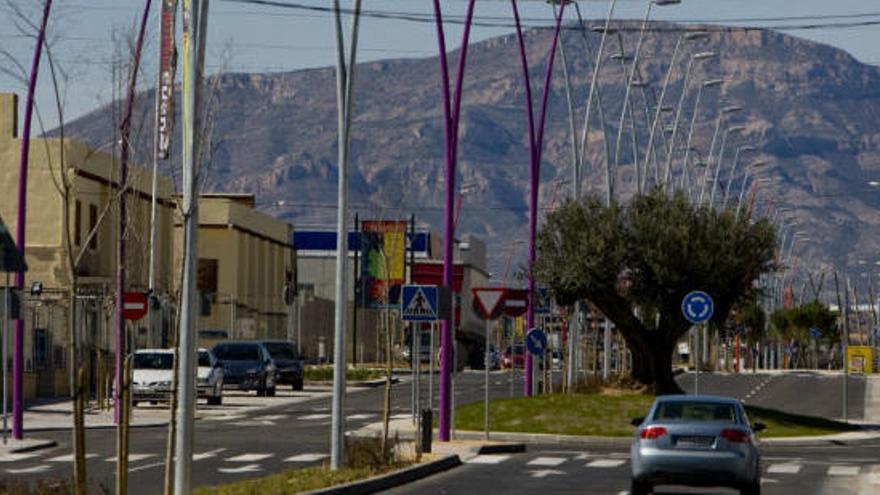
[(561, 463)]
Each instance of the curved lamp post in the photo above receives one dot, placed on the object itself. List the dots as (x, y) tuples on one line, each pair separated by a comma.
[(742, 149), (697, 57), (742, 193), (728, 132), (706, 84), (724, 111), (536, 143), (451, 117)]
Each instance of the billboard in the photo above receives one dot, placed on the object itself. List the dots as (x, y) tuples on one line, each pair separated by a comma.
[(383, 262), (165, 96)]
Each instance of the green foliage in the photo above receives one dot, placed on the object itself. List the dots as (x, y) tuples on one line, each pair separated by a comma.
[(647, 256), (795, 323), (755, 319)]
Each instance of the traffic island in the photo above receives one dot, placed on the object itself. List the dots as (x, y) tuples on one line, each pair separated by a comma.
[(603, 418)]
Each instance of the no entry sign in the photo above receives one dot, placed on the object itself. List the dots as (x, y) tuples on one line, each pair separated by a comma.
[(134, 305)]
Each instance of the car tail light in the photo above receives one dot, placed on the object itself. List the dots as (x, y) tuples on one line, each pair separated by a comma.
[(735, 436), (653, 432)]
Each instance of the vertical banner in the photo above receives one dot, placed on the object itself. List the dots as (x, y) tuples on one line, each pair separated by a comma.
[(383, 251), (167, 67)]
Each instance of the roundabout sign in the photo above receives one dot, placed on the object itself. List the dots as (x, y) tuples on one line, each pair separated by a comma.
[(697, 307)]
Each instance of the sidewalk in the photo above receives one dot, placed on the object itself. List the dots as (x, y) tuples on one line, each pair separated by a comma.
[(872, 400)]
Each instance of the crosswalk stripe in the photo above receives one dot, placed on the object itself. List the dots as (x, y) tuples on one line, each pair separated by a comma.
[(249, 468), (361, 416), (16, 457), (36, 469), (249, 457), (547, 461), (843, 471), (787, 468), (132, 457), (488, 459), (68, 458), (308, 417), (207, 455), (306, 458), (606, 463)]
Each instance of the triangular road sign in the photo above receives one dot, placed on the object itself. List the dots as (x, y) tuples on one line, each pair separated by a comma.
[(488, 299)]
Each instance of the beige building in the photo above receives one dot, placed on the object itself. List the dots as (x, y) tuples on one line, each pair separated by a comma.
[(246, 259), (93, 233)]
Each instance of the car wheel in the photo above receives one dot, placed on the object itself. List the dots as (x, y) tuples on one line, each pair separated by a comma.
[(261, 389), (753, 488), (215, 401), (297, 386), (134, 403), (640, 488), (270, 392)]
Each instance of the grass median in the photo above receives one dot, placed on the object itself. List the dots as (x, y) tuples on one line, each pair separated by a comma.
[(325, 374), (609, 414)]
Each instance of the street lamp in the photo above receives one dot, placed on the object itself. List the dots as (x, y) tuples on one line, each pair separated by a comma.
[(742, 193), (740, 150), (731, 130), (711, 83), (697, 57)]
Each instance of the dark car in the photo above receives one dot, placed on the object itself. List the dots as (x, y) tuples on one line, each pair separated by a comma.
[(517, 358), (246, 366), (288, 363)]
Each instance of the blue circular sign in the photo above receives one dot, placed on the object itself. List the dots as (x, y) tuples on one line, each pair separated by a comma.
[(536, 342), (697, 307)]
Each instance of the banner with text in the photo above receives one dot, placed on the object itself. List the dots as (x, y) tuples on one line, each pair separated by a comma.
[(167, 67)]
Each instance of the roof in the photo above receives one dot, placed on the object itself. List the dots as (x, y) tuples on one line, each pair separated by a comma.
[(701, 398)]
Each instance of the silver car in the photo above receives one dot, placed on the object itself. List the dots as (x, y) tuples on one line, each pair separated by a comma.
[(696, 440)]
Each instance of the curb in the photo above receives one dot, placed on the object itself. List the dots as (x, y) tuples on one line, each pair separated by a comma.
[(502, 448), (364, 384), (40, 445), (44, 429), (391, 480)]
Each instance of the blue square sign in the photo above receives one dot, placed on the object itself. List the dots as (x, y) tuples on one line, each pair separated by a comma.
[(419, 303)]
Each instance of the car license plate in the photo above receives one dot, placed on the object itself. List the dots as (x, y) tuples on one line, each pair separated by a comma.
[(691, 441)]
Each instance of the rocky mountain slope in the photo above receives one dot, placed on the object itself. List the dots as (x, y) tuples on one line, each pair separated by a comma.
[(810, 110)]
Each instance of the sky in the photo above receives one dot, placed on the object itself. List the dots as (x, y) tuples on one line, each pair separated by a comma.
[(258, 38)]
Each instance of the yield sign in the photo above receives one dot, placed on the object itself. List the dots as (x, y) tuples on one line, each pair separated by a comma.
[(489, 300)]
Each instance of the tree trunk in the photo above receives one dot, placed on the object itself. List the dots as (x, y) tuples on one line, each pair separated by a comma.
[(661, 363)]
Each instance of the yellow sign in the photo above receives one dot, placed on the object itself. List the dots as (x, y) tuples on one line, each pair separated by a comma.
[(860, 359), (519, 326)]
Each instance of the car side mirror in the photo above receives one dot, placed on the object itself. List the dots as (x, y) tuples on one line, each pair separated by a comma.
[(637, 421), (218, 364), (759, 427)]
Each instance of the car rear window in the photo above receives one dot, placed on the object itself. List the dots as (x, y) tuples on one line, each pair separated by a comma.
[(281, 350), (204, 359), (153, 361), (695, 412), (237, 352)]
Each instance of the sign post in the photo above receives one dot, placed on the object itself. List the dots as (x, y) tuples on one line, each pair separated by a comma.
[(698, 308)]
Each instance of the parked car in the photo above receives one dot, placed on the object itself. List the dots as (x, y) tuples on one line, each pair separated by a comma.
[(288, 363), (246, 366), (697, 441), (517, 358), (152, 373), (209, 378)]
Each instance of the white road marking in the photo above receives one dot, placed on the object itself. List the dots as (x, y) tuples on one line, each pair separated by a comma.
[(16, 457), (132, 457), (306, 458), (308, 417), (271, 417), (224, 417), (250, 468), (544, 473), (207, 455), (249, 457), (788, 468), (36, 469), (606, 463), (843, 471), (401, 416), (488, 459), (361, 416), (68, 458), (547, 461), (146, 466), (873, 478)]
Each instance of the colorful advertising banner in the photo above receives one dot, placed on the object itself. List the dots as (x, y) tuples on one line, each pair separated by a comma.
[(383, 266), (167, 66)]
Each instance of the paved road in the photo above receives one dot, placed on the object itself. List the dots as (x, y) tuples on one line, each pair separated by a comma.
[(235, 446), (554, 470), (803, 392)]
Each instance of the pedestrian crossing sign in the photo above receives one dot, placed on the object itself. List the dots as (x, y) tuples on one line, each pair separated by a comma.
[(419, 303)]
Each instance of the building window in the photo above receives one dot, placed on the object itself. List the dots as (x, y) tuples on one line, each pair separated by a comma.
[(41, 348), (208, 275), (77, 223), (93, 223)]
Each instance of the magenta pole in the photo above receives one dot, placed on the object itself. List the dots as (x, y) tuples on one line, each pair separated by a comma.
[(536, 144), (451, 117), (123, 185), (18, 338)]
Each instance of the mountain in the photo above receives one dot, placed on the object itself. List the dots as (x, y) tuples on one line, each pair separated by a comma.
[(810, 110)]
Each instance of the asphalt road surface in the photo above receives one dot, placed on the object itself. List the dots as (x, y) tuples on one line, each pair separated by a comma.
[(558, 470)]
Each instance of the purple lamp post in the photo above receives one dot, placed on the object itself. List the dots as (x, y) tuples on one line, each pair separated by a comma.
[(536, 143), (18, 339), (451, 118)]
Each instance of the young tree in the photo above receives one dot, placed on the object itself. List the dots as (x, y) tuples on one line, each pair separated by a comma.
[(648, 255)]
